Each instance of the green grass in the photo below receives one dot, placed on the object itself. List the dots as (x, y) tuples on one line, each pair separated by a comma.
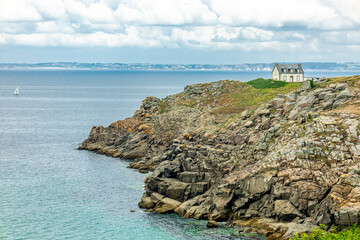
[(261, 83), (352, 80), (237, 96), (351, 233)]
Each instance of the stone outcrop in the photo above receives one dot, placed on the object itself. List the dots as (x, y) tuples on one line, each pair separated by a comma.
[(282, 167)]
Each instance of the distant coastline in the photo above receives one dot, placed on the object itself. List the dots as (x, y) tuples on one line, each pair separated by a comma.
[(261, 67)]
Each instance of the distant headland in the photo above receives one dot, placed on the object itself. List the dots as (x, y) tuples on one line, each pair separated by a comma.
[(312, 66)]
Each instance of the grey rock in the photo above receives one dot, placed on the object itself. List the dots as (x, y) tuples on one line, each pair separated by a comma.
[(293, 115), (245, 114), (346, 94), (341, 86), (278, 103), (264, 112), (306, 85), (291, 97), (249, 124), (265, 123), (286, 211)]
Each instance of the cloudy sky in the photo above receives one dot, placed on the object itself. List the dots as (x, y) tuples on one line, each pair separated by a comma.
[(179, 31)]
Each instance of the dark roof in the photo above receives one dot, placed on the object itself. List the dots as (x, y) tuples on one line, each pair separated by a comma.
[(281, 68)]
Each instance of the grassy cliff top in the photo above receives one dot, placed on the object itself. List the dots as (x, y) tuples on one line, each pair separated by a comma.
[(233, 97), (230, 97)]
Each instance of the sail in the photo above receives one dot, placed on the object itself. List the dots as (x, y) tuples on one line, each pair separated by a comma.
[(16, 92)]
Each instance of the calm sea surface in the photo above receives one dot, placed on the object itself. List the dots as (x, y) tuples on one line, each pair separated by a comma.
[(49, 190)]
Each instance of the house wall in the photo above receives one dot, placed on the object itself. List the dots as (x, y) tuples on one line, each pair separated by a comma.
[(275, 74), (296, 77)]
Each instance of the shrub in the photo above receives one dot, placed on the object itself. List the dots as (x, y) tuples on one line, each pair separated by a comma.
[(312, 85), (261, 83), (351, 233)]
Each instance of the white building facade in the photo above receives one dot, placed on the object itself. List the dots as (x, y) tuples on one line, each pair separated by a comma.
[(288, 72)]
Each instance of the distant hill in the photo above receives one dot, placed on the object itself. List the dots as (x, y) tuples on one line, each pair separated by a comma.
[(314, 66)]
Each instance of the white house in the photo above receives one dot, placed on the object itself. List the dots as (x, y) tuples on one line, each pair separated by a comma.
[(288, 72)]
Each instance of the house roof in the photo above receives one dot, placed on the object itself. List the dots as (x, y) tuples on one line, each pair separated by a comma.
[(289, 66)]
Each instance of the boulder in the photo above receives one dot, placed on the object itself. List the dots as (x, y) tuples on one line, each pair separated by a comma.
[(285, 210), (326, 95), (278, 103), (306, 85), (166, 205), (265, 123), (291, 97), (248, 124), (293, 115), (327, 104), (341, 86), (189, 177), (245, 114), (146, 202), (212, 224), (346, 94), (264, 112), (349, 214), (178, 190)]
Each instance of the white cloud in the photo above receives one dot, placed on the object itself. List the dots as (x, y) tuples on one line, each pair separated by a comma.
[(163, 12), (207, 24), (18, 10), (53, 27)]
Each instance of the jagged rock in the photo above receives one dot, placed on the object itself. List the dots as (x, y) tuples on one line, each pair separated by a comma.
[(293, 115), (264, 112), (265, 123), (341, 86), (323, 79), (339, 102), (248, 124), (189, 177), (281, 174), (278, 103), (245, 114), (327, 104), (150, 102), (212, 224), (346, 94), (177, 190), (306, 85), (166, 205), (285, 210), (291, 97)]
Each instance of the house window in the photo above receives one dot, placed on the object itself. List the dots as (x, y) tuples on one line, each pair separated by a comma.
[(284, 78), (297, 70), (298, 78), (284, 70), (291, 70)]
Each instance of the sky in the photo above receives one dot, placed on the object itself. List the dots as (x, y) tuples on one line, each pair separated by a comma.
[(179, 31)]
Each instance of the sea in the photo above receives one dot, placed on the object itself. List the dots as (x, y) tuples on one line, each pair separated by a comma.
[(51, 190)]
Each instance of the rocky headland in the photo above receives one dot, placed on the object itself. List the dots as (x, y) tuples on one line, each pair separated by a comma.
[(274, 160)]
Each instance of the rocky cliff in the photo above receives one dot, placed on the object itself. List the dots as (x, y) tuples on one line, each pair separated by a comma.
[(272, 160)]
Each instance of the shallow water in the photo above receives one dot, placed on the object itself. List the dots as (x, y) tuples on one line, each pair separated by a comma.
[(50, 190)]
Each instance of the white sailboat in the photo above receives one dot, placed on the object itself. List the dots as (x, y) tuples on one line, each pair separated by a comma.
[(17, 91)]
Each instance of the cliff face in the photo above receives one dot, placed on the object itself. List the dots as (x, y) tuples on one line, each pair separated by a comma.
[(287, 161)]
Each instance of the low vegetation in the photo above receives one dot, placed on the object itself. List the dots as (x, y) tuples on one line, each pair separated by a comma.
[(261, 83), (234, 96), (352, 80), (351, 233)]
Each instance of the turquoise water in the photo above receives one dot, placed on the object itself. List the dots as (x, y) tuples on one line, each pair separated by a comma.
[(50, 190)]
